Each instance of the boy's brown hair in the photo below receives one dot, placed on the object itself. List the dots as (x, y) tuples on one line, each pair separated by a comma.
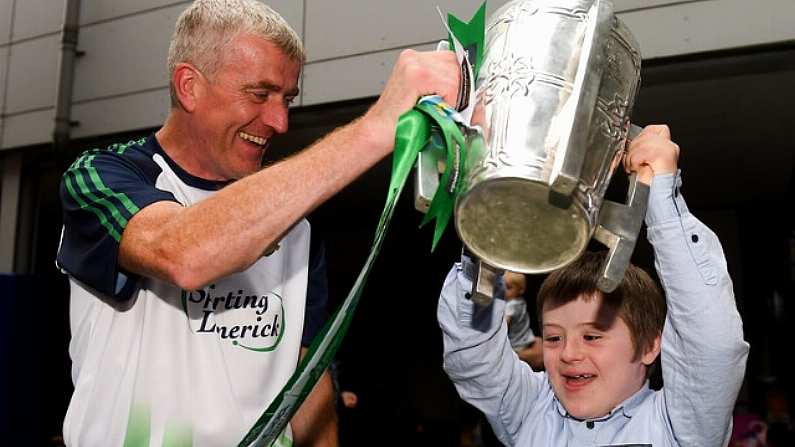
[(637, 299)]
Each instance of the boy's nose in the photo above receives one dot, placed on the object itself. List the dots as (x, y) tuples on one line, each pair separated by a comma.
[(572, 351)]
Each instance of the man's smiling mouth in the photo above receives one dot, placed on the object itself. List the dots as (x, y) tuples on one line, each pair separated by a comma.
[(259, 141)]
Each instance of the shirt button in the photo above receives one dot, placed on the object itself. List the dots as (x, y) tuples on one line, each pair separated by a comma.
[(589, 424), (694, 238)]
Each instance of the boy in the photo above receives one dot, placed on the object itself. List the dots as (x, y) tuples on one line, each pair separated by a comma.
[(598, 348)]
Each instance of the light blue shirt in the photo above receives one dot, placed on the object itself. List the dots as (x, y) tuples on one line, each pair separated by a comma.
[(703, 351)]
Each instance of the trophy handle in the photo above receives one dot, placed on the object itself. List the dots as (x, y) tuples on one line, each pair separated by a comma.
[(483, 283), (619, 226), (426, 177), (484, 277), (568, 164)]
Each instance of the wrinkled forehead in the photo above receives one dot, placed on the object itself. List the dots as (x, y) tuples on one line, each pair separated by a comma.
[(251, 60), (252, 48)]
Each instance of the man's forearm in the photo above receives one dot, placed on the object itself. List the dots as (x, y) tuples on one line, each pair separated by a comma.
[(244, 219)]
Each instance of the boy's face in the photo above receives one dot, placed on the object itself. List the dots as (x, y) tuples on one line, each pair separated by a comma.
[(588, 354)]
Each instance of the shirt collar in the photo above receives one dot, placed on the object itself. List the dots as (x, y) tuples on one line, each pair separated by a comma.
[(185, 176), (627, 408)]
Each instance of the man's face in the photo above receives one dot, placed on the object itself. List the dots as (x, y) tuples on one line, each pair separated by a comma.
[(588, 354), (243, 105)]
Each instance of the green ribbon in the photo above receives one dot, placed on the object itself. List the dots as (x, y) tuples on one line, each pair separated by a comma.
[(412, 135), (415, 128), (471, 35), (443, 201)]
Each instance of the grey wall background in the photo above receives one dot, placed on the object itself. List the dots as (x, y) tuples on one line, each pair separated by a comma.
[(121, 80)]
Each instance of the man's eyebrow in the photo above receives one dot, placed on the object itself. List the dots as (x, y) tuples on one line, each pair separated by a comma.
[(265, 85)]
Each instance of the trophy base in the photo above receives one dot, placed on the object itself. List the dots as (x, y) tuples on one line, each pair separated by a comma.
[(510, 223)]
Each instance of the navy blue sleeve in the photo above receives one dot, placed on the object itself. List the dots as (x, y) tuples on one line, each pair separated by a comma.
[(100, 192), (316, 292)]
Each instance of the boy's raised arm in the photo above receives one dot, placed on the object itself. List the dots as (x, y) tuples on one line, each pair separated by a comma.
[(703, 351), (479, 359)]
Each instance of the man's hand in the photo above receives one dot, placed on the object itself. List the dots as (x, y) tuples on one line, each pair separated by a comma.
[(652, 153), (414, 75)]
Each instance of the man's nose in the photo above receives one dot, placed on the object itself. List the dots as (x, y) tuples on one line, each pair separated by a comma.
[(276, 117)]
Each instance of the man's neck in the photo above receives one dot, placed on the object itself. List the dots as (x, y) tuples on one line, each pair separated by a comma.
[(183, 147)]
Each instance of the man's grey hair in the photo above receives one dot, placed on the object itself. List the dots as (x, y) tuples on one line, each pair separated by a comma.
[(207, 26)]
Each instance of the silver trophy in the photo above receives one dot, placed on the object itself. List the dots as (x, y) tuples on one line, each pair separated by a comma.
[(554, 94)]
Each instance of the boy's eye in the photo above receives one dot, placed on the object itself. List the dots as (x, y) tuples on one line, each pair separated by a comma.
[(592, 337), (552, 338)]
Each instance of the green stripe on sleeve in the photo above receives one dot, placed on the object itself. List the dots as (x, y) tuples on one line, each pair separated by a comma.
[(120, 196), (90, 197), (95, 196), (83, 205)]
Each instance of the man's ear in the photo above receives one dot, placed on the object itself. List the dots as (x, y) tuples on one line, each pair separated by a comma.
[(651, 354), (186, 80)]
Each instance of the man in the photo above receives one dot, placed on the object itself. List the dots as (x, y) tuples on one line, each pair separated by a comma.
[(188, 264)]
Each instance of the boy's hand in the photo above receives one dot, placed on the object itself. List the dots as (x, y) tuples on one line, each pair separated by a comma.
[(652, 153)]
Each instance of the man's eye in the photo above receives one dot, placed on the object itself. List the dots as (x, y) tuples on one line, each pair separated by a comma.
[(289, 100), (261, 96)]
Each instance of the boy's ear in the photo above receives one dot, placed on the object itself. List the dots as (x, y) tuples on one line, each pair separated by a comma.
[(651, 354)]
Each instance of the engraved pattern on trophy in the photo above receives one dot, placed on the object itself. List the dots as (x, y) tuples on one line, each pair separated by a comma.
[(618, 36), (514, 14), (508, 78), (613, 104), (614, 120), (574, 13), (611, 60)]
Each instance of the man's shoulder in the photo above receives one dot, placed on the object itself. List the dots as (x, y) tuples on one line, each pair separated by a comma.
[(133, 151), (133, 159)]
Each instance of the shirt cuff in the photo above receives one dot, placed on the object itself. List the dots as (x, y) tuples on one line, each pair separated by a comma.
[(665, 200)]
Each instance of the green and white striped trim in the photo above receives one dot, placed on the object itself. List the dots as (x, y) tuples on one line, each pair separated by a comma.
[(89, 191)]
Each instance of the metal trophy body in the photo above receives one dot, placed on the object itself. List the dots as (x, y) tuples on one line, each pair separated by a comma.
[(557, 83)]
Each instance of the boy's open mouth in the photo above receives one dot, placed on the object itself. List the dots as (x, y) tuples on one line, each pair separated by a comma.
[(575, 381)]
